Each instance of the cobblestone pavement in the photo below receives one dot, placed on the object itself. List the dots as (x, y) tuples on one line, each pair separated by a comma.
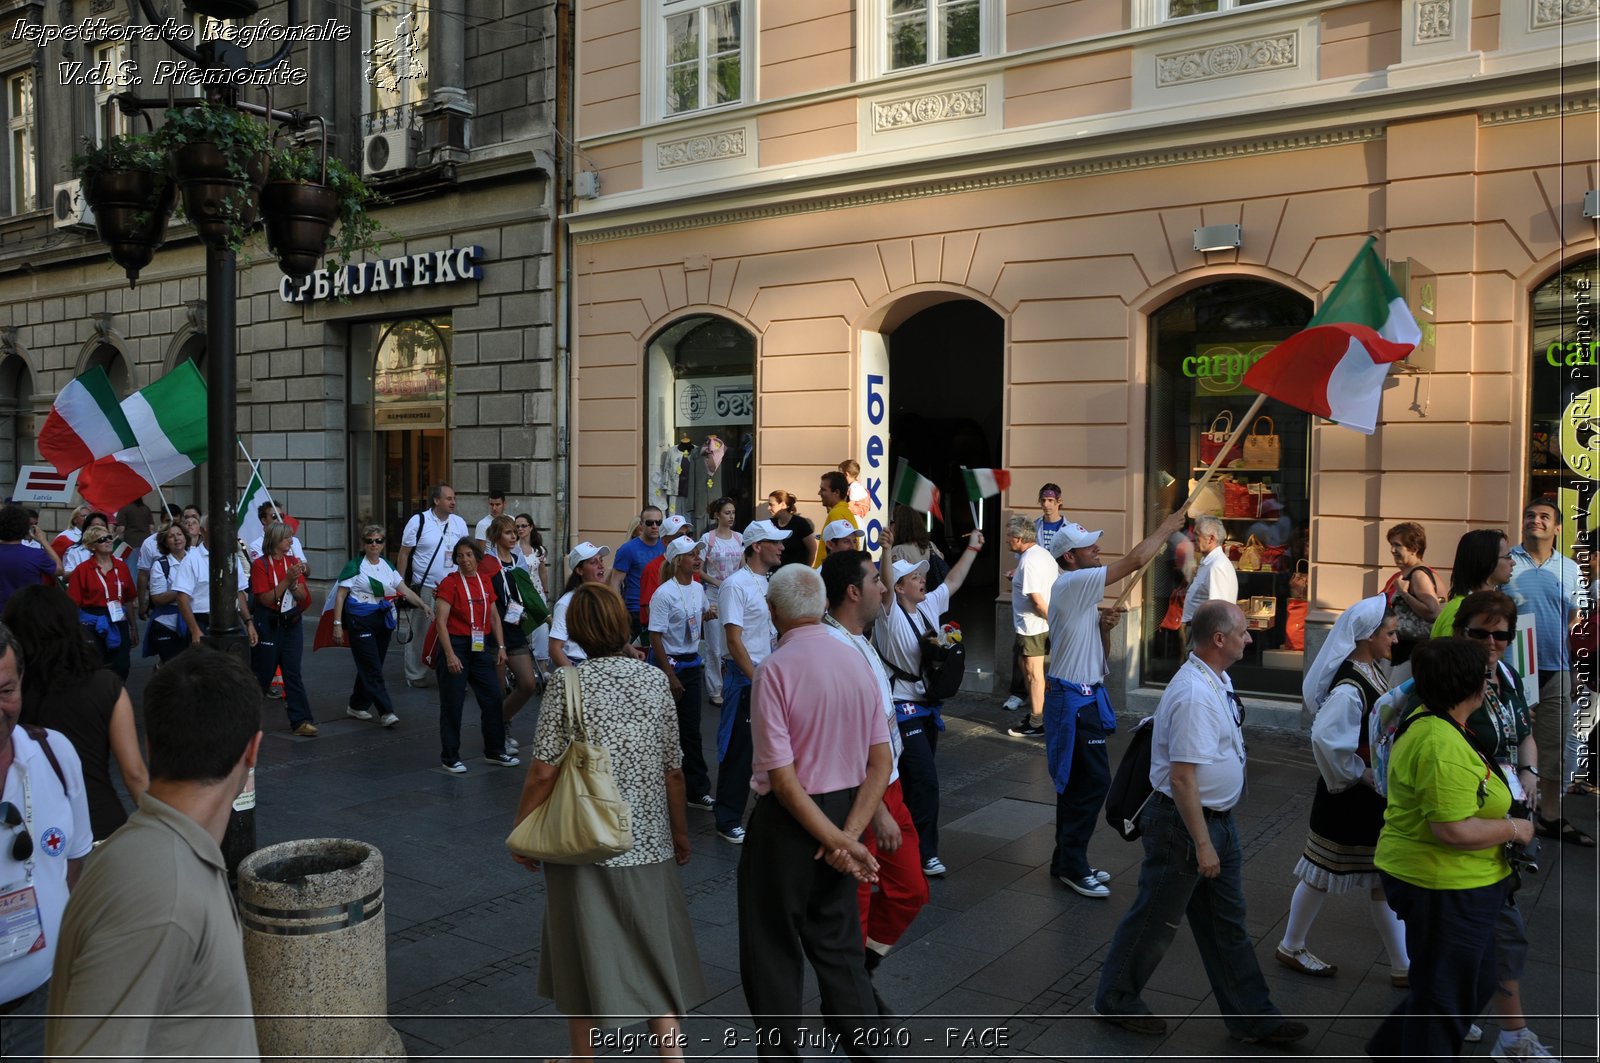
[(1002, 964)]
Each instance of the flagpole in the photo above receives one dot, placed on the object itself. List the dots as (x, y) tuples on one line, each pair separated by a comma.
[(1239, 430), (255, 470), (161, 498)]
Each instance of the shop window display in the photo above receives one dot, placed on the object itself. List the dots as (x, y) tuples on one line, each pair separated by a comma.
[(1564, 397), (1202, 343), (700, 421)]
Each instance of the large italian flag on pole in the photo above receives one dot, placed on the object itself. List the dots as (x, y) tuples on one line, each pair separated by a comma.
[(85, 423), (1336, 365), (168, 419)]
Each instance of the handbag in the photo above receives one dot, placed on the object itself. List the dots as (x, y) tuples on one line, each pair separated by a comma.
[(1250, 556), (1409, 625), (584, 820), (1209, 502), (1263, 450), (1237, 500), (1172, 620), (1260, 495), (1272, 558), (1213, 438), (1300, 582), (1234, 549), (1294, 624)]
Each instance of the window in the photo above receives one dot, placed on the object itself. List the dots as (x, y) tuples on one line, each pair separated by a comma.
[(920, 32), (394, 55), (20, 159), (1185, 8), (703, 54), (112, 65), (1563, 446)]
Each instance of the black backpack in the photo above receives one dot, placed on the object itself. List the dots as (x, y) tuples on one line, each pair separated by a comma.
[(1130, 788), (943, 666)]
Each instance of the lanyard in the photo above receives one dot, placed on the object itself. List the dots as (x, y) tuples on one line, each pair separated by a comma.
[(104, 587), (472, 615), (505, 574), (1222, 696), (27, 814), (272, 570)]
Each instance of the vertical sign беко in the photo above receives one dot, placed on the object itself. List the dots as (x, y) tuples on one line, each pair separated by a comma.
[(872, 433)]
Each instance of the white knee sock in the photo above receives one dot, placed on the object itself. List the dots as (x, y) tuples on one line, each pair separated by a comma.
[(1303, 910), (1393, 934)]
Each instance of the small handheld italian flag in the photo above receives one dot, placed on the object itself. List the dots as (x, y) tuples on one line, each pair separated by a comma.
[(915, 490), (984, 483)]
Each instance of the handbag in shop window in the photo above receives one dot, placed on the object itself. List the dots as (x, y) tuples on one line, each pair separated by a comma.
[(1238, 501), (1209, 502), (1250, 556), (1213, 438), (1263, 450)]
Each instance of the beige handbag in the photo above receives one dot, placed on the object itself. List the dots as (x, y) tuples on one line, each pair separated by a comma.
[(1262, 450), (1209, 502), (1250, 556), (584, 820)]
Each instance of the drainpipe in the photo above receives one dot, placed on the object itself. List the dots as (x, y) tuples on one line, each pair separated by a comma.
[(561, 369)]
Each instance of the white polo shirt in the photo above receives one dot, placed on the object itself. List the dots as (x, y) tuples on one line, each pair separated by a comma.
[(743, 603), (193, 578), (1215, 580), (676, 613), (1036, 574), (1076, 653), (1196, 724)]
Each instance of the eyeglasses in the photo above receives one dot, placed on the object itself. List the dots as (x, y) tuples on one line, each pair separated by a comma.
[(1484, 633), (374, 542), (22, 848), (652, 524)]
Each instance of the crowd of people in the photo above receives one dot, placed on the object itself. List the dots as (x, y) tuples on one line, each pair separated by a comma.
[(815, 658)]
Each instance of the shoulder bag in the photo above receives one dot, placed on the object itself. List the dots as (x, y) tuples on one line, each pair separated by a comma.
[(1410, 626), (584, 820)]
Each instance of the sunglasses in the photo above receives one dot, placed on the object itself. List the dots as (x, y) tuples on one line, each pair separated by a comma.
[(373, 542), (1483, 633), (22, 848), (652, 524)]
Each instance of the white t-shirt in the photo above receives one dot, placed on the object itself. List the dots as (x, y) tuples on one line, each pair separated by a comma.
[(193, 578), (1036, 574), (743, 602), (676, 612), (360, 585), (165, 572), (296, 551), (723, 557), (149, 550), (76, 555), (897, 744), (433, 543), (480, 531), (558, 629), (1214, 580), (1196, 724), (1076, 653), (900, 643)]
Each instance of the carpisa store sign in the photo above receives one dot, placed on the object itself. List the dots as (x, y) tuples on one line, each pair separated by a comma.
[(450, 265)]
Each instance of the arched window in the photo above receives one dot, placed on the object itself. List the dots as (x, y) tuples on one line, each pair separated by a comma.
[(700, 420), (17, 428), (1564, 397), (110, 359)]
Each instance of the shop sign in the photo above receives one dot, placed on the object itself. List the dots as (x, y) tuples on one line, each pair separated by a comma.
[(450, 265), (1219, 368), (393, 417), (705, 401), (872, 432)]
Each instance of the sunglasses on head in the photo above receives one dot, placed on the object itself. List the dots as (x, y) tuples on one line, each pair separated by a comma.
[(1484, 633), (22, 848)]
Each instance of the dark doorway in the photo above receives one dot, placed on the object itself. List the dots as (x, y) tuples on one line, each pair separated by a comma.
[(946, 365)]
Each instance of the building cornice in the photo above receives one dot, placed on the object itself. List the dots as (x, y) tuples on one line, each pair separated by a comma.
[(1538, 111)]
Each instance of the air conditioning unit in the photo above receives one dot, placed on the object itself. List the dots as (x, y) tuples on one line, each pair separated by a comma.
[(72, 212), (388, 152)]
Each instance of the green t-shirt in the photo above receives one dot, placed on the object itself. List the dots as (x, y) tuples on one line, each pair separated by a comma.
[(1444, 626), (1501, 722), (1434, 776)]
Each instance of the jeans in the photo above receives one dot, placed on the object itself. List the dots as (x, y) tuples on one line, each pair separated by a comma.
[(368, 637), (1450, 936), (1170, 887), (281, 648), (733, 766), (695, 776), (1078, 806), (416, 671), (919, 781), (477, 671), (22, 1031)]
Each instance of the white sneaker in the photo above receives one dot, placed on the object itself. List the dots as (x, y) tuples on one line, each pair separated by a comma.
[(1474, 1034), (389, 719), (357, 714), (1100, 876), (454, 767), (1519, 1044), (933, 867), (1013, 703)]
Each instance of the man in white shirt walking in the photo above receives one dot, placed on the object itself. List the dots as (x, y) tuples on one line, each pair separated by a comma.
[(1215, 580), (426, 548), (497, 506), (1030, 604)]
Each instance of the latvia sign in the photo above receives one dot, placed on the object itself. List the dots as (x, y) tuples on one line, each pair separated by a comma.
[(41, 483)]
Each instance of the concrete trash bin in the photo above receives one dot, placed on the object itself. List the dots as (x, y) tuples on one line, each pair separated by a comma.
[(314, 944)]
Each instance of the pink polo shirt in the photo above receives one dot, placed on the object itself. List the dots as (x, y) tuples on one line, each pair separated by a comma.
[(814, 704)]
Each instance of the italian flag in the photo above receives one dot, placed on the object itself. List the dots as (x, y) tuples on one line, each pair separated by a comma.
[(1336, 365), (984, 483), (255, 493), (324, 636), (85, 423), (913, 489), (168, 419)]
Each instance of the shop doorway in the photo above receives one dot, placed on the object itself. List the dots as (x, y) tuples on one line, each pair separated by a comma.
[(946, 367)]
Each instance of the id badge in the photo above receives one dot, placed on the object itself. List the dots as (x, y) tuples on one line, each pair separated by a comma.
[(513, 613), (21, 930), (477, 640), (114, 612)]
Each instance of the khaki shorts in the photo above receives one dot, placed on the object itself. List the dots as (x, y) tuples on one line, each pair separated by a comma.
[(1552, 719), (1034, 645)]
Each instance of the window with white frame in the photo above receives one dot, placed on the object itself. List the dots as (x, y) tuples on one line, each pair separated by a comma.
[(21, 162), (1185, 8), (394, 54), (702, 54), (924, 32), (113, 70)]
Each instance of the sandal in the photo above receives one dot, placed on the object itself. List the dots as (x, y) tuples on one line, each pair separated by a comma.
[(1560, 828), (1581, 788), (1303, 961)]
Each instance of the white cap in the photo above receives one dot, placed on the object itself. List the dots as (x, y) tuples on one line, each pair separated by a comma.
[(763, 531), (904, 568), (673, 525), (1072, 537), (584, 551), (680, 546), (840, 529)]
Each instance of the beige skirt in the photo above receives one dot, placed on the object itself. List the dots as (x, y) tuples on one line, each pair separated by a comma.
[(618, 942)]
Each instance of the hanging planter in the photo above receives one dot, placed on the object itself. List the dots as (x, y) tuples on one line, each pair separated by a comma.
[(219, 159), (306, 195), (126, 183)]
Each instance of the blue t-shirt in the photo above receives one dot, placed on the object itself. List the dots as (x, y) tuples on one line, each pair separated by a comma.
[(21, 566), (1044, 530), (630, 560), (1552, 592)]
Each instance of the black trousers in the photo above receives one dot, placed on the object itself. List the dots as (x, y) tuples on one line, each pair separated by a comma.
[(368, 638), (919, 781), (793, 908), (1078, 806), (695, 774)]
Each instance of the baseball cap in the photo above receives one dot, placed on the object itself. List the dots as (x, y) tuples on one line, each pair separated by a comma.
[(904, 568), (1072, 537), (673, 525), (584, 551), (680, 546), (840, 529), (763, 531)]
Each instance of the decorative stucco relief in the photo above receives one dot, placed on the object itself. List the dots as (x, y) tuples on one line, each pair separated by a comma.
[(1548, 13), (1434, 21), (948, 106), (1225, 60), (705, 147)]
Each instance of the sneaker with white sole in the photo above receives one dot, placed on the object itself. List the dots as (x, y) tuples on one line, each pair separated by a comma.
[(1087, 886), (1520, 1044), (512, 745), (357, 714), (454, 767), (1012, 704), (505, 760), (1026, 729), (1100, 876), (933, 867), (732, 834), (389, 719), (705, 801)]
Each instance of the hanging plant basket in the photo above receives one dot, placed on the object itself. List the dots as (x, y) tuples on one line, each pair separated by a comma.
[(307, 194), (299, 223), (219, 158), (131, 209)]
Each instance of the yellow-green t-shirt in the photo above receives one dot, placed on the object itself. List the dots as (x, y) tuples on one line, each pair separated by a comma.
[(840, 511), (1434, 775), (1444, 626)]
